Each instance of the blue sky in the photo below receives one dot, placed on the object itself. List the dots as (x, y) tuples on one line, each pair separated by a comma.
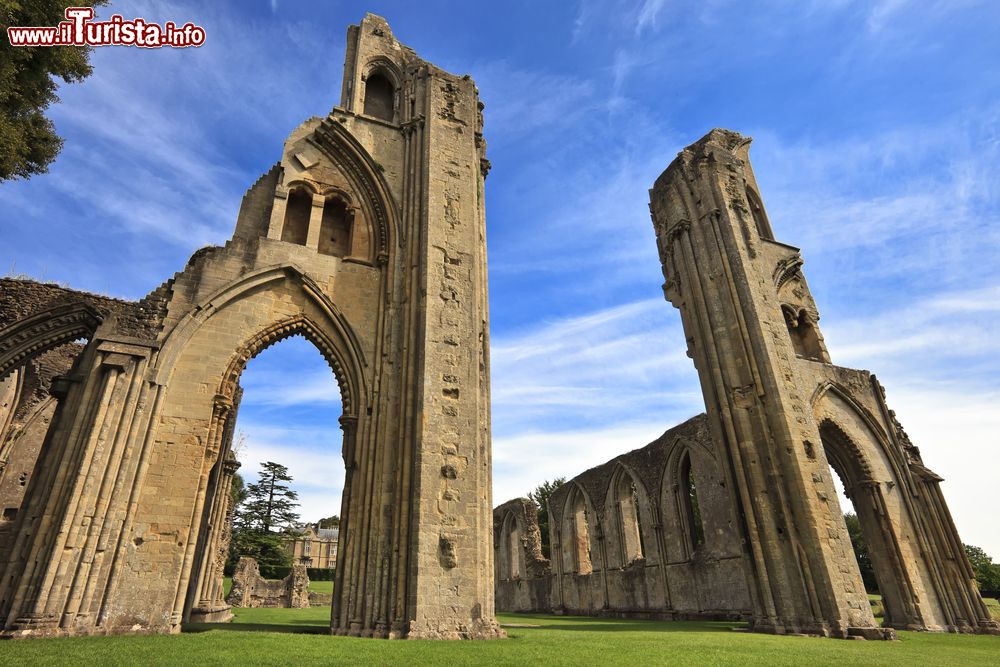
[(877, 137)]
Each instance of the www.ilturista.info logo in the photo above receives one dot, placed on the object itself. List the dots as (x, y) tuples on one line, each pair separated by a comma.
[(80, 30)]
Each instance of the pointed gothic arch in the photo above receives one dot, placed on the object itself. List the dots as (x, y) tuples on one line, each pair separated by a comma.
[(46, 330)]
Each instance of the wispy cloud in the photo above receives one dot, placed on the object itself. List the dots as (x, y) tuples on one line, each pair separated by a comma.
[(648, 12)]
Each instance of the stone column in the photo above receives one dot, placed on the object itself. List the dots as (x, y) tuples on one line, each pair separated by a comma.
[(315, 221), (211, 606), (61, 571), (278, 213), (801, 568)]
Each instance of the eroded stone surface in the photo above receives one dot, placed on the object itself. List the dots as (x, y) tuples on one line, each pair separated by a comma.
[(252, 590), (779, 415), (368, 239)]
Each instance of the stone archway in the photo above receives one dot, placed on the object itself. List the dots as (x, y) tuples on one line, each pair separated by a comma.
[(204, 588), (117, 538), (863, 489)]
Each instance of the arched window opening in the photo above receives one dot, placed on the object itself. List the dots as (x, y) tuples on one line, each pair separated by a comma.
[(510, 546), (627, 499), (289, 413), (805, 340), (297, 212), (759, 216), (576, 536), (27, 412), (379, 97), (689, 500), (335, 231)]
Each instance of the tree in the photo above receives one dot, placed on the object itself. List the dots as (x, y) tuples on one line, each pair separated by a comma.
[(987, 572), (329, 522), (28, 141), (861, 552), (270, 503), (268, 549), (238, 491), (541, 496), (264, 511)]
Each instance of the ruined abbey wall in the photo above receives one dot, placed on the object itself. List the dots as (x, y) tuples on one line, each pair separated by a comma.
[(648, 534), (766, 536), (368, 239)]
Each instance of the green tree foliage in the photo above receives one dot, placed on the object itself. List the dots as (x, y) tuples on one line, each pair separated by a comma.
[(330, 522), (265, 515), (541, 496), (861, 552), (270, 503), (238, 490), (28, 140), (987, 572), (267, 549)]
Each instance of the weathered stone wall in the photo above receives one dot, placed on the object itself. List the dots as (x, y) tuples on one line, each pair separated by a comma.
[(781, 414), (252, 590), (522, 575), (368, 239), (26, 411), (22, 297), (634, 554)]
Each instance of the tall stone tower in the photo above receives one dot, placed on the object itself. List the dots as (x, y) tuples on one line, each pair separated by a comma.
[(368, 239), (782, 414)]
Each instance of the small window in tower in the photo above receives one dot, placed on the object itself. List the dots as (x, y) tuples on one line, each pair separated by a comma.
[(759, 216), (335, 232), (297, 212), (805, 341), (379, 97), (9, 513)]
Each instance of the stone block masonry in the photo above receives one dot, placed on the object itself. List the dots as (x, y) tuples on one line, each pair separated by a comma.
[(368, 239)]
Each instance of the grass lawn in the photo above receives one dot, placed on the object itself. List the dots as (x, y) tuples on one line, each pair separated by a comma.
[(296, 636)]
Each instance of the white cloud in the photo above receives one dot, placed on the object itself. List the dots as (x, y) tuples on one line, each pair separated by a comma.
[(648, 12), (522, 462), (312, 457)]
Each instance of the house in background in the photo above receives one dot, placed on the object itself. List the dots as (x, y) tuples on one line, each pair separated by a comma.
[(315, 547)]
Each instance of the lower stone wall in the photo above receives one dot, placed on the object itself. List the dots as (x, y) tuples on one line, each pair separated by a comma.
[(525, 595), (649, 534), (320, 599), (252, 590)]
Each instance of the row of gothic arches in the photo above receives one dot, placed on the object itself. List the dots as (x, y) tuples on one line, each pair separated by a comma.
[(626, 540), (623, 531)]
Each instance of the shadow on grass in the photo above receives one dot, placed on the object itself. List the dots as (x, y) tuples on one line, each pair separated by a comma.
[(305, 628), (291, 622), (592, 624)]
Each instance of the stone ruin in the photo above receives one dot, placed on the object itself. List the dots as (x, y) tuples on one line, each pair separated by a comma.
[(368, 239), (252, 590), (734, 513)]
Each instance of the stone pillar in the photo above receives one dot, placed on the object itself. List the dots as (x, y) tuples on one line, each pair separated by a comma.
[(801, 567), (315, 221), (62, 568), (278, 213), (211, 606), (453, 558)]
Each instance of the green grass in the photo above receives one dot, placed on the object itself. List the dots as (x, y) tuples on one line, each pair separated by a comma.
[(994, 606), (321, 586), (297, 636)]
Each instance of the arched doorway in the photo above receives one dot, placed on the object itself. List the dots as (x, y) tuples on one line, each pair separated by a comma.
[(879, 516), (287, 412)]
